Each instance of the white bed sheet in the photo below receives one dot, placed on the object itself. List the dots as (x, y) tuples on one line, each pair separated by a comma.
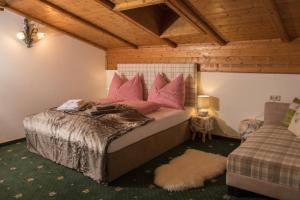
[(164, 118)]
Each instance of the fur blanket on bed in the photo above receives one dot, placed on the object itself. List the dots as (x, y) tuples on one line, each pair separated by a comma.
[(78, 140)]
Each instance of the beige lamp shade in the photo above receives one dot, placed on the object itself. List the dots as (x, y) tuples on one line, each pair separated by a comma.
[(203, 102)]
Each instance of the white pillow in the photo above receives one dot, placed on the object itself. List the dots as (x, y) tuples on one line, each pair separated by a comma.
[(294, 126)]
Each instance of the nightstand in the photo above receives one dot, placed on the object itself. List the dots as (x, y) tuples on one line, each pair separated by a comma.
[(248, 126), (202, 125)]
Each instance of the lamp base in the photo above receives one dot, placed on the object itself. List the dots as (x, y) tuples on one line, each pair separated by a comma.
[(203, 113)]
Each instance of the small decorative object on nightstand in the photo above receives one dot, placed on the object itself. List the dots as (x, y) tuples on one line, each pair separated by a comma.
[(248, 127), (202, 125)]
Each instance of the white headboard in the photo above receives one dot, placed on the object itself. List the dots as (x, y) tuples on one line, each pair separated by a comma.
[(149, 72)]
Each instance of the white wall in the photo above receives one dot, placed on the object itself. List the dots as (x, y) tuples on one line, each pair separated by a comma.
[(243, 96), (57, 68)]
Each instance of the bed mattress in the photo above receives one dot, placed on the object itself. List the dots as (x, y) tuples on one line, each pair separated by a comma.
[(164, 118)]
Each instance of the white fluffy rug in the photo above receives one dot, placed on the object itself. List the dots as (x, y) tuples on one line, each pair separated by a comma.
[(189, 170)]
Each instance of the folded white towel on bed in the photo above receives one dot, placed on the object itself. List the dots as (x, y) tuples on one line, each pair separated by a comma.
[(72, 104)]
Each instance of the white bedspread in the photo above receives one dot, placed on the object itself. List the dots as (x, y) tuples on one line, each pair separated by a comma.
[(164, 118)]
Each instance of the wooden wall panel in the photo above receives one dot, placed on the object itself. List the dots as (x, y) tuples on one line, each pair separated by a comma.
[(268, 56)]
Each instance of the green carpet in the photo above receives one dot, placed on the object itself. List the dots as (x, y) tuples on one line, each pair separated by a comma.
[(24, 175)]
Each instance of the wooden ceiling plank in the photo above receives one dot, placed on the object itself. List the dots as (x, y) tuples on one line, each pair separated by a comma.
[(136, 4), (180, 28), (87, 23), (184, 10), (109, 5), (19, 12), (273, 13), (106, 3)]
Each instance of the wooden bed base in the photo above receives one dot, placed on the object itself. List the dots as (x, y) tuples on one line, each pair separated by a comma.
[(132, 156)]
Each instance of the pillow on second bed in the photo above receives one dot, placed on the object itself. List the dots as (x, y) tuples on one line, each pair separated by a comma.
[(144, 107), (294, 126), (291, 112), (121, 89), (166, 94)]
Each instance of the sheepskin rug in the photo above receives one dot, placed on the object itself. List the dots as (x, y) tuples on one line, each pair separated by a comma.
[(189, 170)]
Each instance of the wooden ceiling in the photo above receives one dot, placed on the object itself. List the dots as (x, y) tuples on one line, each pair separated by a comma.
[(133, 23)]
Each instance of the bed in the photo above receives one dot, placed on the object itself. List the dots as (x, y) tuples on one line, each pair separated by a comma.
[(268, 162), (168, 129)]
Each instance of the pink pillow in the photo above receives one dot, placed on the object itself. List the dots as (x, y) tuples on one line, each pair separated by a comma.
[(126, 90), (144, 107), (166, 94), (107, 101), (115, 84)]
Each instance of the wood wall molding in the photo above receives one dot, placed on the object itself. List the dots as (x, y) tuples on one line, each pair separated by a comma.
[(269, 56), (186, 11), (273, 13), (54, 27), (87, 23), (109, 5)]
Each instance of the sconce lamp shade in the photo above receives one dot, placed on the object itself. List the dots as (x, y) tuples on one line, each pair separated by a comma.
[(203, 102), (40, 35), (21, 35)]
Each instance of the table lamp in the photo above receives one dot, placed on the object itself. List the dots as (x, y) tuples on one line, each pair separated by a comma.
[(203, 105)]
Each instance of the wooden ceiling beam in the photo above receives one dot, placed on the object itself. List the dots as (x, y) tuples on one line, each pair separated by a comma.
[(185, 10), (273, 13), (136, 4), (87, 23), (19, 12), (109, 5)]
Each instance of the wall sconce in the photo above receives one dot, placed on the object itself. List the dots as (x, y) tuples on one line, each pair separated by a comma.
[(30, 33)]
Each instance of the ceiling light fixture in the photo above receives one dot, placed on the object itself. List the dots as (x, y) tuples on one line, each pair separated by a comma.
[(30, 33)]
